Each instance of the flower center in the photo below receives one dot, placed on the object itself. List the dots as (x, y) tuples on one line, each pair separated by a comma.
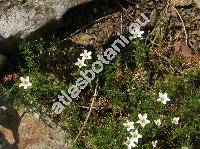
[(143, 121), (162, 99)]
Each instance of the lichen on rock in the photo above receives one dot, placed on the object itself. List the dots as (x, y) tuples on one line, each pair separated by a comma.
[(22, 17)]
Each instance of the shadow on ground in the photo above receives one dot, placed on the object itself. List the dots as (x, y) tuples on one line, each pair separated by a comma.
[(73, 20), (9, 119)]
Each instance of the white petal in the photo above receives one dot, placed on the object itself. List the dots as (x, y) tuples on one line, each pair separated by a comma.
[(165, 95), (21, 84), (134, 139), (167, 99), (147, 121), (160, 95), (159, 99), (138, 122), (139, 136), (125, 124), (132, 133), (128, 129), (21, 78), (142, 124), (140, 116), (27, 78), (29, 84), (136, 131), (145, 116)]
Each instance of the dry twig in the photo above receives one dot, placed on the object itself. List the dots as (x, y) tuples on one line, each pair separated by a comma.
[(85, 107), (186, 35), (89, 113)]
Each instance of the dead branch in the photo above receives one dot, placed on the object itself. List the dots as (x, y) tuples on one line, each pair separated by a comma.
[(89, 113)]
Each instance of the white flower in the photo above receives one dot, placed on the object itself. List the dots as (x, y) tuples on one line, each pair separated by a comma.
[(184, 147), (130, 143), (157, 122), (154, 143), (80, 63), (129, 125), (86, 55), (143, 120), (25, 82), (137, 33), (175, 120), (163, 98), (135, 136)]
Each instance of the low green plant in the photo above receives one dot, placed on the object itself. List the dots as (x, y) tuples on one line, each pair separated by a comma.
[(129, 86)]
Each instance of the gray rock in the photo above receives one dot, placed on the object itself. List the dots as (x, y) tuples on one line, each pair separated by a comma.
[(197, 2), (20, 18)]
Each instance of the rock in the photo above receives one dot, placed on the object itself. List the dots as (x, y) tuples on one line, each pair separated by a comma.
[(9, 123), (186, 54), (181, 2), (24, 131), (21, 18), (197, 2)]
